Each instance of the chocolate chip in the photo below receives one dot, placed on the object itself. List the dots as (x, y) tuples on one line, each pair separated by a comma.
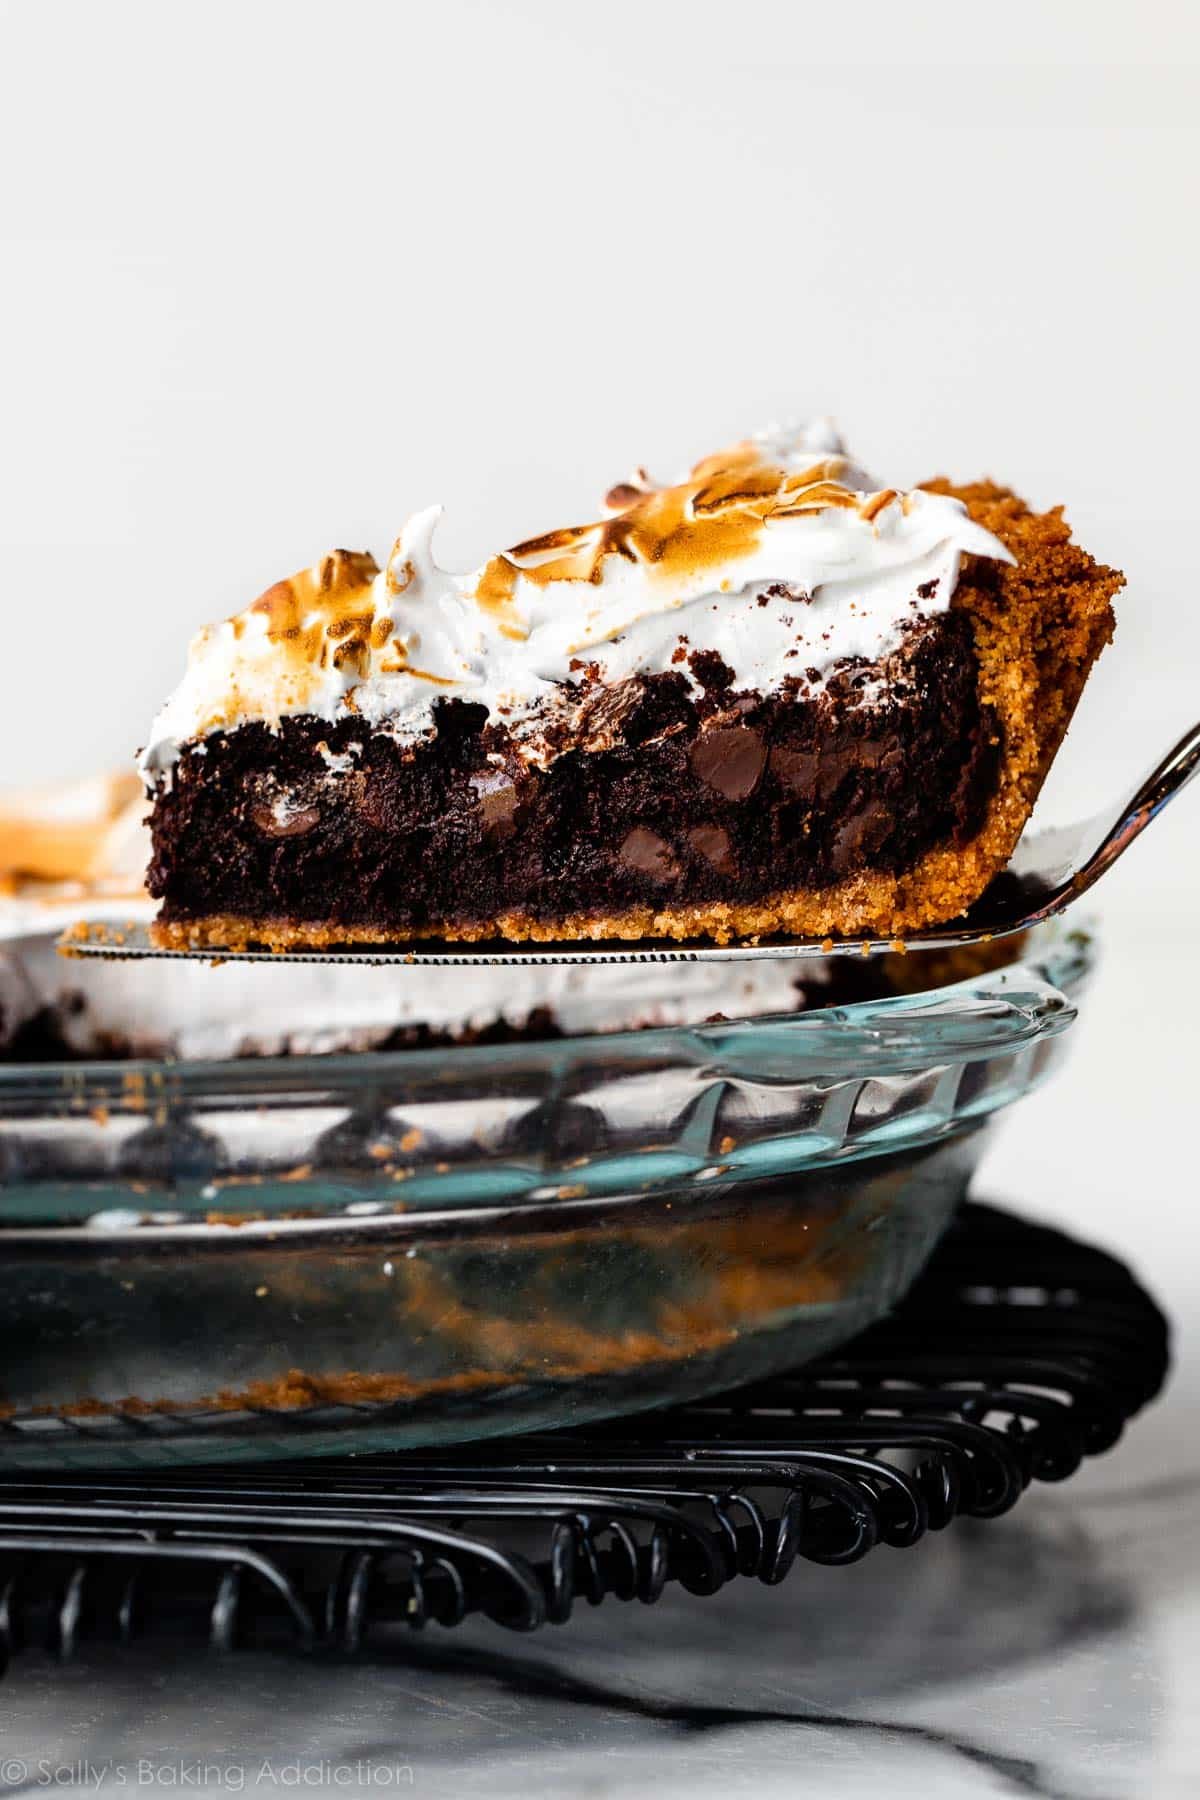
[(648, 854), (858, 837), (497, 797), (282, 819), (811, 774), (729, 758), (795, 770), (713, 844)]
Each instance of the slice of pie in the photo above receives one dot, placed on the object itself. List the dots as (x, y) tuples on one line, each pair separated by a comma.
[(771, 698)]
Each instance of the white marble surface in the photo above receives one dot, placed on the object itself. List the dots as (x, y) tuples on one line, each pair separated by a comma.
[(1055, 1652)]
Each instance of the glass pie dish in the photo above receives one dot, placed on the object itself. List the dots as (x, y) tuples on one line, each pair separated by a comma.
[(267, 1257)]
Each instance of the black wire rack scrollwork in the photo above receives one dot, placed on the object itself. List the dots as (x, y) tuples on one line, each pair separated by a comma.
[(1019, 1353)]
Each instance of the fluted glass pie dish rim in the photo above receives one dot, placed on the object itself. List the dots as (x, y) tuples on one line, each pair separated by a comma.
[(482, 1125)]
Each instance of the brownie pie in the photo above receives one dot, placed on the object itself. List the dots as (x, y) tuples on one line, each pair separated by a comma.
[(770, 698)]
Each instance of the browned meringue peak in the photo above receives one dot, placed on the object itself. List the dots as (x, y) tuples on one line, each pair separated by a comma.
[(325, 615), (715, 517)]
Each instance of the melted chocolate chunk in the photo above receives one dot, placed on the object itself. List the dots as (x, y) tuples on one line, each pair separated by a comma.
[(713, 843), (861, 833), (730, 759), (497, 799), (795, 770), (648, 854)]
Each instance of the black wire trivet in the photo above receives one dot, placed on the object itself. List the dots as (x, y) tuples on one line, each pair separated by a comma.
[(1018, 1353)]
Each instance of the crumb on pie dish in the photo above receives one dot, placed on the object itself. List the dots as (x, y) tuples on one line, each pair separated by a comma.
[(772, 697)]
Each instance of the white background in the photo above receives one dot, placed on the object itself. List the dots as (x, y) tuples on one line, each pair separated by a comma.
[(273, 275)]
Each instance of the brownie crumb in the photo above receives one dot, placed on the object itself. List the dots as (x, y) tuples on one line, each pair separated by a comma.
[(714, 675)]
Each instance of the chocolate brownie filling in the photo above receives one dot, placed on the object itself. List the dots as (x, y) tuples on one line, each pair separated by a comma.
[(657, 794)]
